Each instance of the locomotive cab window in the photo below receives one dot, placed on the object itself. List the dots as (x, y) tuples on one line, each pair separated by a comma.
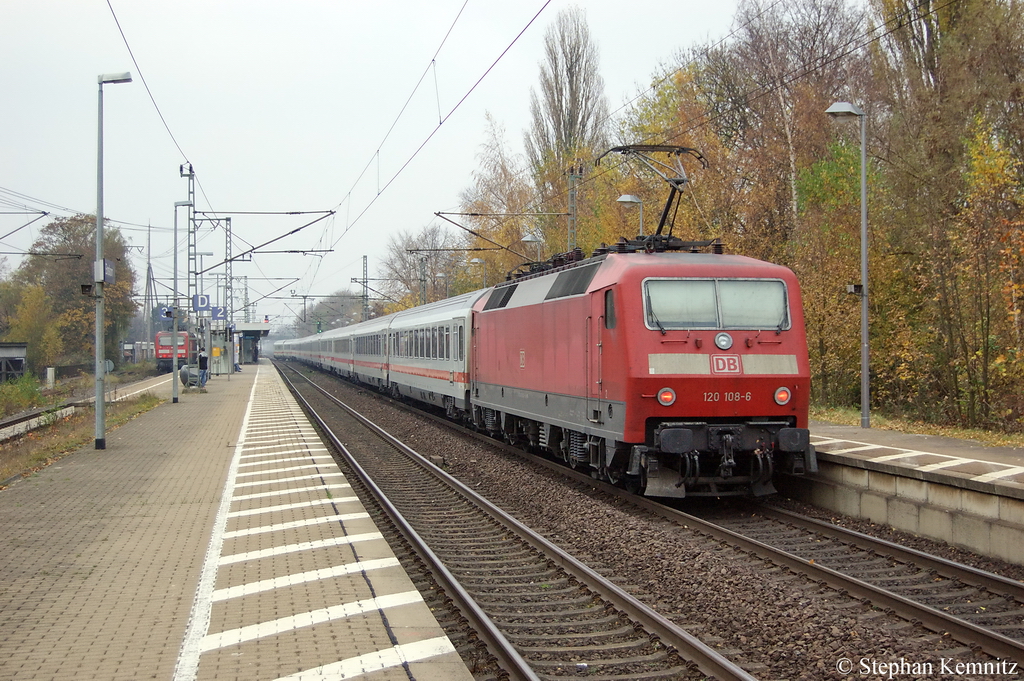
[(609, 309), (716, 304)]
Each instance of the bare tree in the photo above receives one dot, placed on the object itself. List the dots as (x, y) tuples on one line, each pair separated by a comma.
[(570, 113), (419, 266)]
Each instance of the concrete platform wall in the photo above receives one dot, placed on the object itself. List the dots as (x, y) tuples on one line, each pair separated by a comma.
[(986, 523)]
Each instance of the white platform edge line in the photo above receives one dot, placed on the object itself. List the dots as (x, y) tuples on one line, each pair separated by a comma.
[(313, 503), (319, 575), (305, 619), (315, 457), (187, 666), (376, 661), (996, 475), (303, 546), (296, 524), (315, 476), (279, 470), (283, 492)]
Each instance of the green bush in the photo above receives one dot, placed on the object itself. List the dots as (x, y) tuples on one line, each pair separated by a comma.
[(19, 395)]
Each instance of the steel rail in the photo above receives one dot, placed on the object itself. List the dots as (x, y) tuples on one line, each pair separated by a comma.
[(947, 568), (991, 642), (708, 660), (499, 646)]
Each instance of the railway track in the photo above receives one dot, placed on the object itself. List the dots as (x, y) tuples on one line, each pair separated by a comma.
[(977, 608), (980, 610), (542, 613)]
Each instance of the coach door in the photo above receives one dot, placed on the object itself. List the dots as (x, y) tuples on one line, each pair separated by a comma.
[(455, 349), (595, 376)]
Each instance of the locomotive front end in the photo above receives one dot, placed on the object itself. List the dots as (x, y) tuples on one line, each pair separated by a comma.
[(721, 378)]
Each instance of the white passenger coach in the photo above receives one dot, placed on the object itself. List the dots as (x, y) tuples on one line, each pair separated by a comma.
[(422, 353)]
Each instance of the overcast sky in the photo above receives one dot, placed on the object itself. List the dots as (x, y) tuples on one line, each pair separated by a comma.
[(288, 106)]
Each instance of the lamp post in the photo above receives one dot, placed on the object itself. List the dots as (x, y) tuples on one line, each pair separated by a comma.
[(99, 272), (174, 309), (483, 268), (632, 198), (846, 111), (533, 239)]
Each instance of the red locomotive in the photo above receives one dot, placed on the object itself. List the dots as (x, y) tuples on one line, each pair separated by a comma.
[(187, 349), (654, 363), (678, 373)]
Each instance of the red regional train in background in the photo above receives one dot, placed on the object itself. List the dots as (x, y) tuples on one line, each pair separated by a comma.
[(653, 363), (187, 349)]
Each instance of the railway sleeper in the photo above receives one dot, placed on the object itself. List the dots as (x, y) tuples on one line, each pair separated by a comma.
[(582, 615), (630, 644), (562, 625), (603, 666), (526, 608), (588, 639)]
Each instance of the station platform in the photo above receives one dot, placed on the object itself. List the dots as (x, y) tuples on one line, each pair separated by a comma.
[(954, 462), (214, 538)]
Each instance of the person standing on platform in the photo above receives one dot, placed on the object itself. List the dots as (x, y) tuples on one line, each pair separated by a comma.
[(204, 373)]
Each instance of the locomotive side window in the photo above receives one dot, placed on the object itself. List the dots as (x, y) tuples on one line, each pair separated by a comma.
[(716, 304)]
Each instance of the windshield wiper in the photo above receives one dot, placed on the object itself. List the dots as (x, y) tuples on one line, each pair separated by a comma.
[(650, 309)]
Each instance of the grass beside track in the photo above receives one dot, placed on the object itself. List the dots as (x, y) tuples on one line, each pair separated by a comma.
[(851, 417), (28, 453)]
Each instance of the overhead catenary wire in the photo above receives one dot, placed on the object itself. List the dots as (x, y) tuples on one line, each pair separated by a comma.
[(857, 42), (443, 120)]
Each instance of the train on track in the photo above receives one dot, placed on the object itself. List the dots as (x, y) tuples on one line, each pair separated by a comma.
[(653, 363), (187, 349)]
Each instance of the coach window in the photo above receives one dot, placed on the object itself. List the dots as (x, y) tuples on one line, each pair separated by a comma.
[(462, 343), (609, 309), (447, 342)]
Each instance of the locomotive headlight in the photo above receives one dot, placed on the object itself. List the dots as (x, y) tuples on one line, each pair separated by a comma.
[(723, 341), (666, 396), (782, 395)]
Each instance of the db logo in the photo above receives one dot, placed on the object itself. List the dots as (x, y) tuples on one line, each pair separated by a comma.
[(725, 364)]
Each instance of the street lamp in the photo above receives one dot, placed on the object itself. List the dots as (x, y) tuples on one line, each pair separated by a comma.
[(99, 269), (847, 111), (631, 198), (483, 268), (533, 239), (174, 309)]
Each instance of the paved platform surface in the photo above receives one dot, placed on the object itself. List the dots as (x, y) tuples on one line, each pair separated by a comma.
[(960, 463), (211, 539)]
